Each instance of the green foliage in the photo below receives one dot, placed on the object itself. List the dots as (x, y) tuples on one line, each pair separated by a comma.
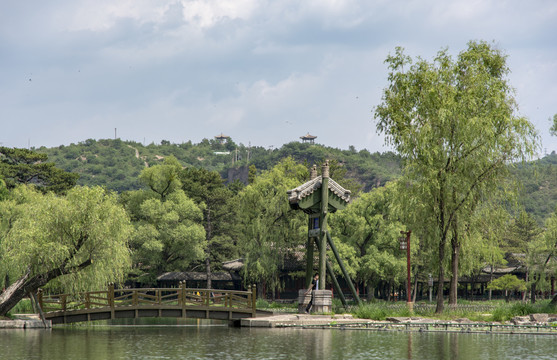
[(553, 128), (162, 179), (116, 164), (507, 282), (169, 234), (4, 192), (22, 166), (208, 190), (270, 230), (506, 312), (454, 124), (79, 240), (22, 307), (379, 311), (368, 231)]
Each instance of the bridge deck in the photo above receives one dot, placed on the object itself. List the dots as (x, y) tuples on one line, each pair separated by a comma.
[(152, 302)]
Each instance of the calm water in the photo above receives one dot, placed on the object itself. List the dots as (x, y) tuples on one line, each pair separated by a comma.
[(206, 341)]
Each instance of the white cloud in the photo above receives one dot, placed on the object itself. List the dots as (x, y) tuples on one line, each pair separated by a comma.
[(262, 71)]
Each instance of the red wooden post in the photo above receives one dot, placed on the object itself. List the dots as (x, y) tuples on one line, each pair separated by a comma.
[(408, 265)]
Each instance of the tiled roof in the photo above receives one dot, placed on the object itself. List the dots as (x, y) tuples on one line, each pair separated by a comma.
[(304, 190), (197, 276)]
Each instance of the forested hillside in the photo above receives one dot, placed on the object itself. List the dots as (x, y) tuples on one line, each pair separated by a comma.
[(116, 164), (538, 186)]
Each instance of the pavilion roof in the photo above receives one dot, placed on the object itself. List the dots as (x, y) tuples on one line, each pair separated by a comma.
[(305, 190), (308, 137), (222, 136)]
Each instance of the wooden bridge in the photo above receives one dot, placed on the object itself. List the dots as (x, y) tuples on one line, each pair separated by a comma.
[(149, 302)]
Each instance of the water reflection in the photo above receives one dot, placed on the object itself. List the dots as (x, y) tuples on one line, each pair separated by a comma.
[(205, 340)]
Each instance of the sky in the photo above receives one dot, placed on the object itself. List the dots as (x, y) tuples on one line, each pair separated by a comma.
[(264, 72)]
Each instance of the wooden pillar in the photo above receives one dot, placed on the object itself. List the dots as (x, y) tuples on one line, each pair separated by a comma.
[(323, 225), (309, 255)]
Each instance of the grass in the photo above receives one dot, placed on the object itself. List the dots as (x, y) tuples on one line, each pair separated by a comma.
[(22, 307), (501, 311)]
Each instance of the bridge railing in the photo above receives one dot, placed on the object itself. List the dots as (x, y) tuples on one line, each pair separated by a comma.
[(156, 297)]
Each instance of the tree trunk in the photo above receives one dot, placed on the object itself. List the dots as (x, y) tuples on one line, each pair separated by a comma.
[(489, 292), (441, 278), (453, 293), (533, 290), (415, 291), (208, 272), (553, 301), (209, 235), (26, 284), (370, 292)]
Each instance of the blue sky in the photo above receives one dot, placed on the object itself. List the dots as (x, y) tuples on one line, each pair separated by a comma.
[(264, 72)]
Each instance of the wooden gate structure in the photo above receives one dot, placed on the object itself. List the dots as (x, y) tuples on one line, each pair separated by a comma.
[(149, 302), (319, 197)]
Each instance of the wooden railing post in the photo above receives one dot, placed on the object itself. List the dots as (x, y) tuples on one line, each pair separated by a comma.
[(134, 297), (87, 300), (110, 299), (110, 295), (64, 302), (40, 297), (253, 299), (182, 297)]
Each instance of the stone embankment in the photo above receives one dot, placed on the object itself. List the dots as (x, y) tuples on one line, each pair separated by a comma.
[(25, 321), (533, 324)]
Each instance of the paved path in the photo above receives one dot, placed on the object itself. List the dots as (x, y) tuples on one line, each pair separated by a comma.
[(300, 320)]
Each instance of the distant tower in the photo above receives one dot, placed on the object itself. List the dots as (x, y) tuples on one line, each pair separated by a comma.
[(222, 138), (308, 138)]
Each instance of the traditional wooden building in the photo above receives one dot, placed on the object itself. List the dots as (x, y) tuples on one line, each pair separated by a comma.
[(307, 138), (222, 138), (220, 280)]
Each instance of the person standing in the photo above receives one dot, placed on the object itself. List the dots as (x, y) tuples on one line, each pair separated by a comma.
[(313, 286)]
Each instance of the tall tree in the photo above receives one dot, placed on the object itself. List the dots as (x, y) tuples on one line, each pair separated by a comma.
[(169, 233), (454, 122), (207, 189), (79, 240), (22, 166), (369, 230), (270, 230), (524, 239), (162, 179)]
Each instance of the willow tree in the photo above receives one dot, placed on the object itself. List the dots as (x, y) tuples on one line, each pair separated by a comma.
[(269, 230), (455, 123), (78, 241), (169, 233), (368, 230)]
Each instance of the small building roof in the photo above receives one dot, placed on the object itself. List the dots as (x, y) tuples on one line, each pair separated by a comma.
[(197, 276), (222, 136), (308, 137)]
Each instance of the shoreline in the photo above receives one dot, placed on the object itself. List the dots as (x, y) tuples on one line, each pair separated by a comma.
[(535, 324), (540, 324)]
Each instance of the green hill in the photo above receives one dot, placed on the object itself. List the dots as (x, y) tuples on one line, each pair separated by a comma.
[(116, 164)]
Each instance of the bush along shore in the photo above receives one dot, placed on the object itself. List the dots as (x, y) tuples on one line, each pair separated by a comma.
[(490, 317)]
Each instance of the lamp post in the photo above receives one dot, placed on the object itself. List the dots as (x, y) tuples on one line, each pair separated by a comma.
[(405, 245)]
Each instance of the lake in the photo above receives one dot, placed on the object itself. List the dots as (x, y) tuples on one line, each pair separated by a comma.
[(205, 340)]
